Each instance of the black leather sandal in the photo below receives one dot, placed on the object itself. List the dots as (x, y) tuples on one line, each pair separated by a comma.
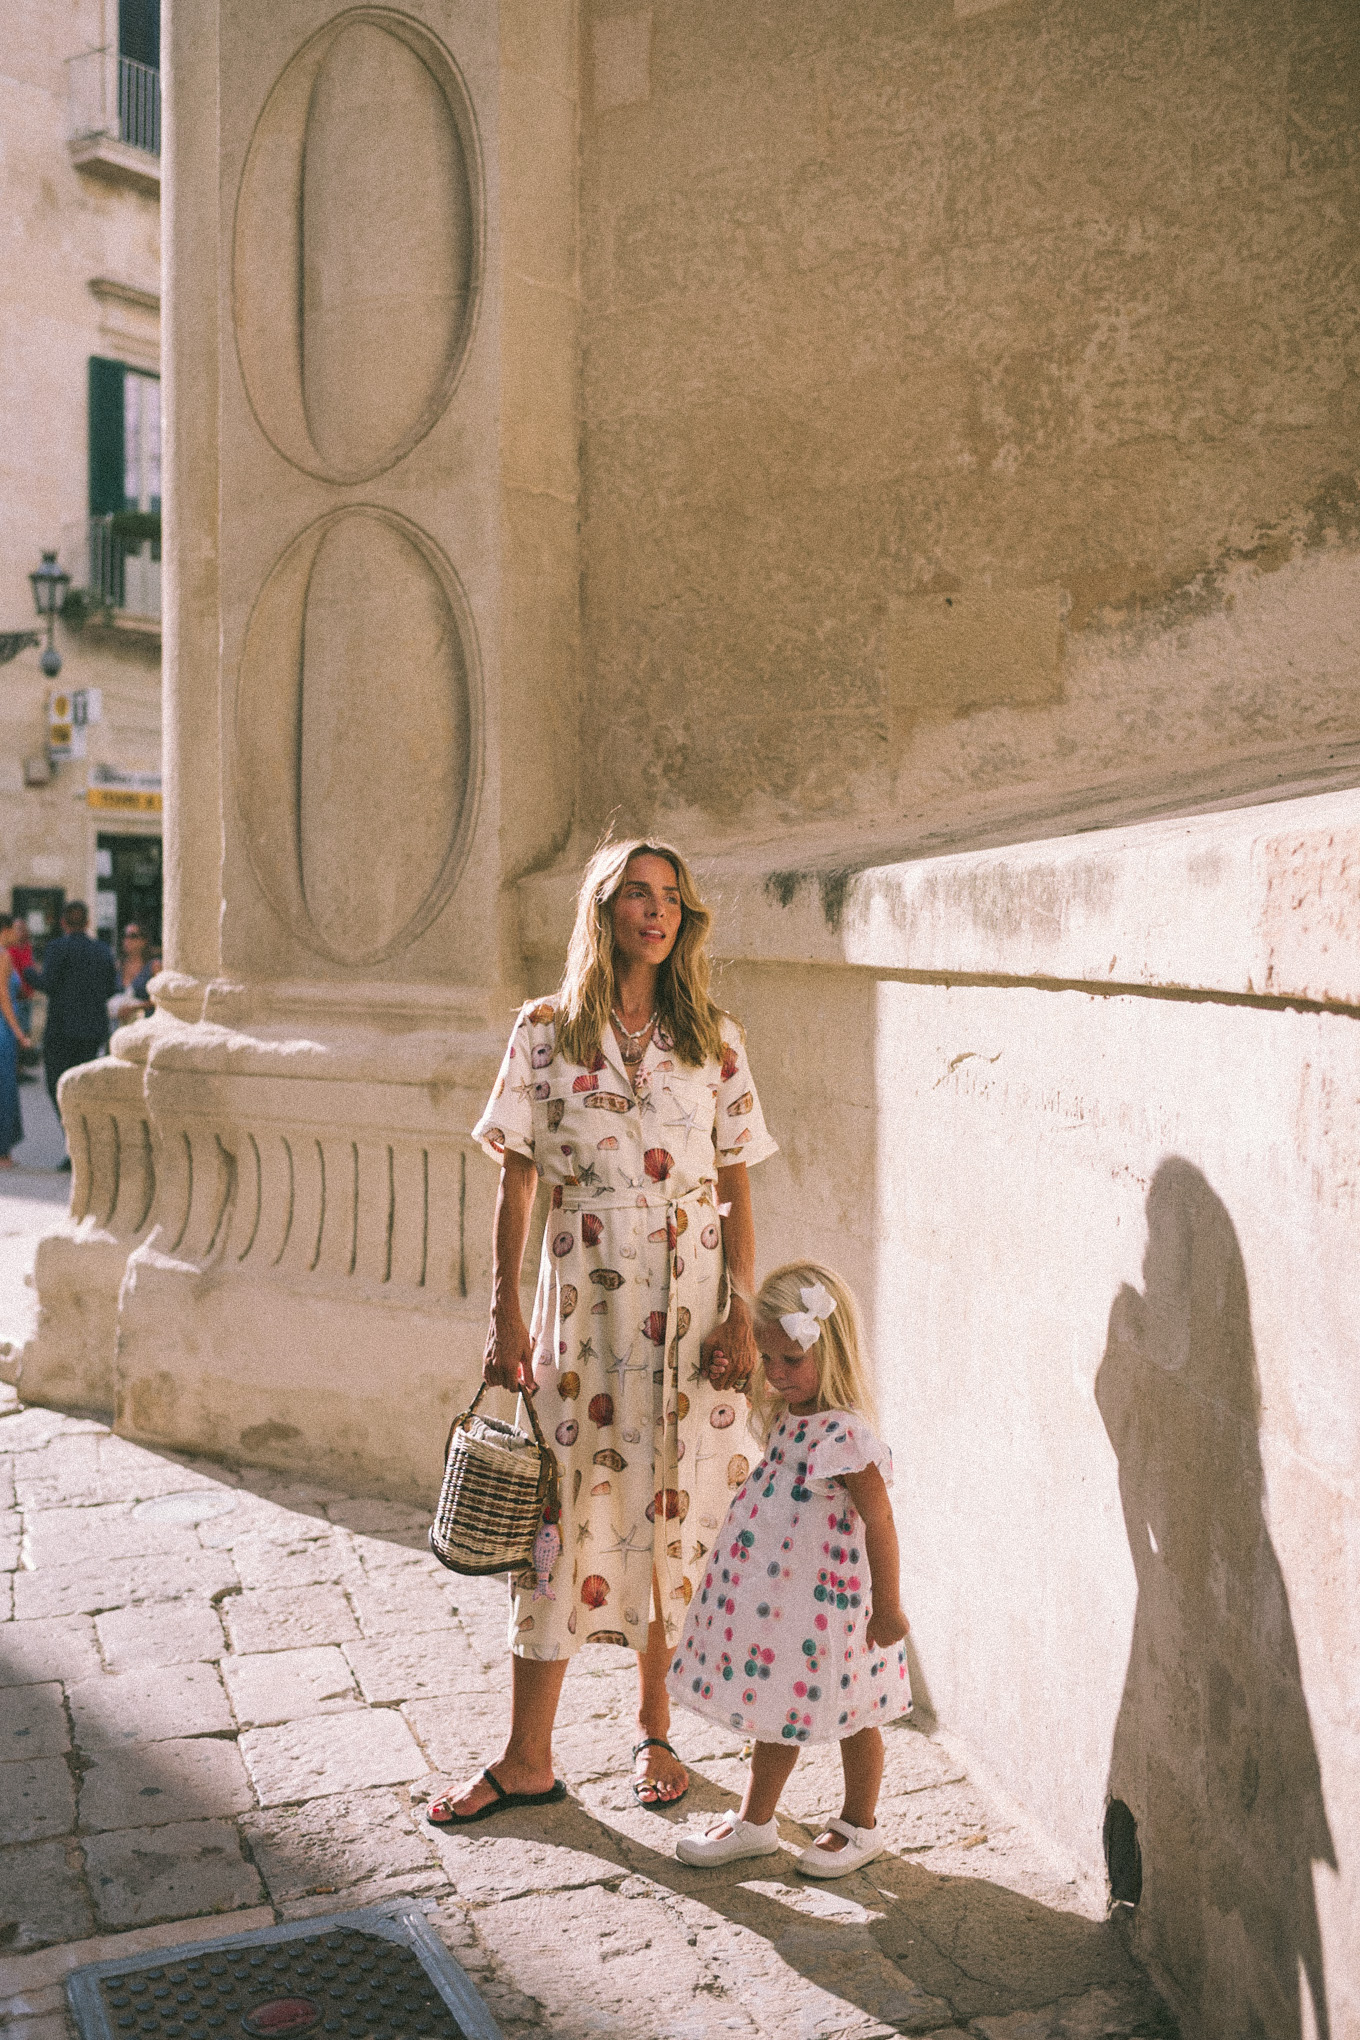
[(654, 1784), (440, 1813)]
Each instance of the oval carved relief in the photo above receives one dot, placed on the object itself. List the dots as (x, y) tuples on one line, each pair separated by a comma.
[(356, 260), (357, 734)]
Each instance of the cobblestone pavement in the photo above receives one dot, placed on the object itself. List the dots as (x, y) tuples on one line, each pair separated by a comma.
[(224, 1697)]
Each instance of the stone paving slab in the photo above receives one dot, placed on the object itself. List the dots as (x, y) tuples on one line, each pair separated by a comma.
[(331, 1753), (415, 1604), (65, 1648), (271, 1687), (33, 1721), (174, 1633), (288, 1620), (232, 1706), (178, 1871), (154, 1705), (39, 1799), (164, 1781)]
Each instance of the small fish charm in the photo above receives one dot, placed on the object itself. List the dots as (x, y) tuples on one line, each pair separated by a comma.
[(547, 1546)]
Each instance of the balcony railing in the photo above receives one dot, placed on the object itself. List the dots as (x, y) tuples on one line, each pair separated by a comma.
[(113, 98), (115, 563)]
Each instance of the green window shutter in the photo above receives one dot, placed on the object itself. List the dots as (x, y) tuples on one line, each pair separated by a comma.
[(106, 436), (139, 31)]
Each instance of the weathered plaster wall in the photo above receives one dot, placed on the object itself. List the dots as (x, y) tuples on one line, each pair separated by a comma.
[(1080, 1118), (972, 427)]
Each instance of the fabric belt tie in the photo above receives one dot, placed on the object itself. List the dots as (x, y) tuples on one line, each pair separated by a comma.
[(669, 1571)]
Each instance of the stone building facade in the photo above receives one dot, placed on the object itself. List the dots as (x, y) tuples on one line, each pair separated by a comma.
[(80, 800), (910, 455)]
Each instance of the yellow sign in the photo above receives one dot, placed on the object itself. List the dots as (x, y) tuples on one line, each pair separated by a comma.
[(123, 800)]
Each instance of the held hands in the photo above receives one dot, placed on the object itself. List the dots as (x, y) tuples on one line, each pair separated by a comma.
[(887, 1624), (728, 1355), (508, 1359)]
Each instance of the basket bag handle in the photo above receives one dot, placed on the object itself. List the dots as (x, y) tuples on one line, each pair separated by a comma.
[(547, 1458)]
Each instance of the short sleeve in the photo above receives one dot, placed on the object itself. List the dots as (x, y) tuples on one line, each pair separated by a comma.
[(508, 1120), (846, 1445), (739, 1130)]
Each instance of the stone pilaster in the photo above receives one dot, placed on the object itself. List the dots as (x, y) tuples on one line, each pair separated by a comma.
[(279, 1250)]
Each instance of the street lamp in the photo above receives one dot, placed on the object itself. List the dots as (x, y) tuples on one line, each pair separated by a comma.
[(49, 586)]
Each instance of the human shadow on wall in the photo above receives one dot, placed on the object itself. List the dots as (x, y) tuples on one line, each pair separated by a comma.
[(1213, 1750)]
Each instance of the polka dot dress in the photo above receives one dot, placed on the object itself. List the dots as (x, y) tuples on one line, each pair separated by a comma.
[(773, 1644)]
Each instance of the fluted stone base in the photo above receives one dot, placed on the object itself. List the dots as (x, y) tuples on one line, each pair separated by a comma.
[(277, 1249)]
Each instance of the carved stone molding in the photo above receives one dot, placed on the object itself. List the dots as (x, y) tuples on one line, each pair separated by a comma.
[(357, 732), (300, 1201), (358, 246)]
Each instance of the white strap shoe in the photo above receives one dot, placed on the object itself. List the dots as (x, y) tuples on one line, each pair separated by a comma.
[(727, 1839), (861, 1846)]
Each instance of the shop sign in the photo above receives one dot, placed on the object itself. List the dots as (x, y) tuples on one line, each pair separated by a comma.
[(69, 715), (114, 791)]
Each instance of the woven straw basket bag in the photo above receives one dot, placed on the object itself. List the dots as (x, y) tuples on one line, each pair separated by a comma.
[(499, 1486)]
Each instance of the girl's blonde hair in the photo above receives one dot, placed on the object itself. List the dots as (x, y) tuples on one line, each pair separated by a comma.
[(842, 1378), (587, 992)]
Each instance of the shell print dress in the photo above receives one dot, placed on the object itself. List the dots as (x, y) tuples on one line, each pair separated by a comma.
[(630, 1281), (774, 1641)]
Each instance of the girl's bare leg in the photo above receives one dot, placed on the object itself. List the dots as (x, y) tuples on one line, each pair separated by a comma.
[(525, 1764), (771, 1767), (862, 1764), (656, 1769)]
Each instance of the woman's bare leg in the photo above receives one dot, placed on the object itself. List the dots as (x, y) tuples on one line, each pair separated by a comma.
[(656, 1769), (525, 1764)]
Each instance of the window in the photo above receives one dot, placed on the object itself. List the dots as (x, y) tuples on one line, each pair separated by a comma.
[(139, 32), (125, 487), (139, 74)]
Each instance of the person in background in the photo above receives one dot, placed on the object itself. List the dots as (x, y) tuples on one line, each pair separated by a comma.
[(19, 942), (79, 977), (13, 1037), (136, 969)]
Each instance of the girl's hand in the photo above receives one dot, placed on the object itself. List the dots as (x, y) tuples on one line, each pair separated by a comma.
[(728, 1355), (508, 1359), (885, 1625)]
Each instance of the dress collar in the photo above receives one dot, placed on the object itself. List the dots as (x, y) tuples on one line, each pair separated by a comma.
[(609, 1048)]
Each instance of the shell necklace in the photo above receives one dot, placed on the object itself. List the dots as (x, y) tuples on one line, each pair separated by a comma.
[(633, 1046)]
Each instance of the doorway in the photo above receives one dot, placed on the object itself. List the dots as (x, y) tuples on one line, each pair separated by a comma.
[(128, 888)]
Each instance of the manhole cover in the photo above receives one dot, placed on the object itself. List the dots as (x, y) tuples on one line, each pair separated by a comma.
[(372, 1975)]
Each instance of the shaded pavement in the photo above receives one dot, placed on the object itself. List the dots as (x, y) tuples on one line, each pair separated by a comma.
[(224, 1697)]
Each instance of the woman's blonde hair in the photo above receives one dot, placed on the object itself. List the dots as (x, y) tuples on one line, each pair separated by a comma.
[(842, 1378), (588, 991)]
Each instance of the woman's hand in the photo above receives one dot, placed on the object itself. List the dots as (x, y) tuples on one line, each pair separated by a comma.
[(885, 1625), (508, 1359), (728, 1355)]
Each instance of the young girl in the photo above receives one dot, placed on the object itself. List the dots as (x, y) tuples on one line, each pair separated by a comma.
[(796, 1634)]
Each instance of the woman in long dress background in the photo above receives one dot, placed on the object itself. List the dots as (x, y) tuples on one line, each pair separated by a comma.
[(12, 1039), (628, 1093)]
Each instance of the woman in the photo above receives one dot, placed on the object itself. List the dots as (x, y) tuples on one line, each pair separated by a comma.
[(131, 1001), (630, 1094), (12, 1039)]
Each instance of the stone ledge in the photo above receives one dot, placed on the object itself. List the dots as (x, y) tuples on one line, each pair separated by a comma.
[(1251, 902)]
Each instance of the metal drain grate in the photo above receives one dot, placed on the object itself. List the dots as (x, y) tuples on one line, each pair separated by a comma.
[(380, 1974)]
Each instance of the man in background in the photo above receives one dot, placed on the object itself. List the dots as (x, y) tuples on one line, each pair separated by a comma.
[(79, 977)]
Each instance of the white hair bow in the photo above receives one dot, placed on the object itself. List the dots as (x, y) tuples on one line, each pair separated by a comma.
[(805, 1326)]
